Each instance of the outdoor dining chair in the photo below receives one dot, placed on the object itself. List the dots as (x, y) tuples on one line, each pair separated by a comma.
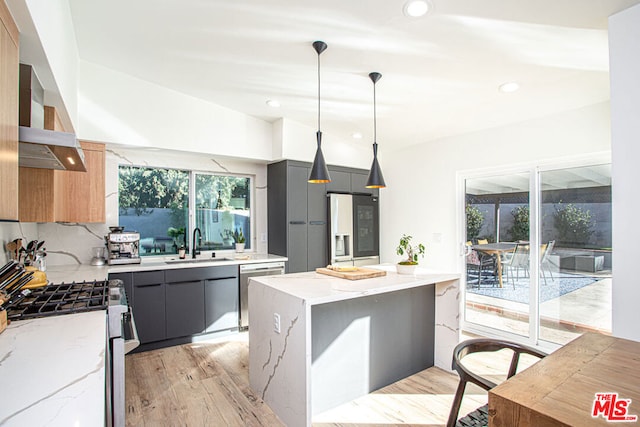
[(519, 260), (544, 259), (479, 263)]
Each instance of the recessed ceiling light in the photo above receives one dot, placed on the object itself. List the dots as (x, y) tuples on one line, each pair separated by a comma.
[(356, 135), (509, 87), (273, 103), (416, 8)]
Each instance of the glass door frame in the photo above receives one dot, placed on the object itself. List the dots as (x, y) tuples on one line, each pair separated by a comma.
[(534, 171)]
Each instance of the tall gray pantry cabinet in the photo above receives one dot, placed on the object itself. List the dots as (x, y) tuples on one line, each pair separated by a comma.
[(297, 211)]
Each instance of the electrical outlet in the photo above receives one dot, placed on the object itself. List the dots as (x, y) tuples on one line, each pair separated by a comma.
[(263, 237), (276, 323)]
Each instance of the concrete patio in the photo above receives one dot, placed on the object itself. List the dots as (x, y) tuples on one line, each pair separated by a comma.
[(562, 319)]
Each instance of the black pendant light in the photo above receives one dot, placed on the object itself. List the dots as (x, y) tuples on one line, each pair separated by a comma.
[(375, 180), (319, 172)]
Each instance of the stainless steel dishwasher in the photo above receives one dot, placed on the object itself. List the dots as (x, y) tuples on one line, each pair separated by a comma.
[(254, 270)]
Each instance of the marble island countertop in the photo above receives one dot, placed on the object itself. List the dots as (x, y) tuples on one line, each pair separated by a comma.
[(50, 378), (315, 288)]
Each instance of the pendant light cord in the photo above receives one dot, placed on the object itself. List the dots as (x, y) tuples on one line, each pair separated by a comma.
[(375, 126), (318, 92)]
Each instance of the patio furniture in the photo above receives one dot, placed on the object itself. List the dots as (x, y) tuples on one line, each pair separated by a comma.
[(590, 263), (480, 416), (483, 242), (519, 260), (162, 243), (496, 250), (479, 262), (546, 250)]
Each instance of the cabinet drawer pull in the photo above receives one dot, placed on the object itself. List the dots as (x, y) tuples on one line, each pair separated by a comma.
[(148, 285), (318, 222), (297, 222), (184, 282), (223, 278)]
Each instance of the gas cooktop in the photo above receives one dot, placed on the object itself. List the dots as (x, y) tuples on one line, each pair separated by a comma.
[(63, 298)]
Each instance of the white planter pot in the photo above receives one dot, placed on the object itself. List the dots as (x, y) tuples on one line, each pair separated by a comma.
[(406, 269), (239, 247)]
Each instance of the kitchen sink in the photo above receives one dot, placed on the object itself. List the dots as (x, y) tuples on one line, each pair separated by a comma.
[(194, 260)]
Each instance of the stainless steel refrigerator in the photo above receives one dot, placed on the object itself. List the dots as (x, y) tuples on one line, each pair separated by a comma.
[(354, 233)]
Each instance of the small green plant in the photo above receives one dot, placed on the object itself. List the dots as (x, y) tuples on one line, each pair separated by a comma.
[(520, 228), (238, 236), (411, 252), (175, 232), (475, 219)]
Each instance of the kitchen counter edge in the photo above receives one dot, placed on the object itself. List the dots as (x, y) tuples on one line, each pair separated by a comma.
[(84, 272)]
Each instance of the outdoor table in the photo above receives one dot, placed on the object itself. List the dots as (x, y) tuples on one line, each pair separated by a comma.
[(496, 250)]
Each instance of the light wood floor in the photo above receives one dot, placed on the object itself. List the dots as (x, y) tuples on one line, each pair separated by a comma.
[(207, 384)]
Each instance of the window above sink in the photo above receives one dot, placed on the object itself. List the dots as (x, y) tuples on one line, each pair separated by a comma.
[(165, 205)]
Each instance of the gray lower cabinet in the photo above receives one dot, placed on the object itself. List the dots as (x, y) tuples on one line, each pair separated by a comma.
[(178, 303), (149, 305), (184, 308)]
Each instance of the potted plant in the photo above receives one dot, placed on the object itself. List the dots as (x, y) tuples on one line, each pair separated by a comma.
[(240, 240), (405, 248)]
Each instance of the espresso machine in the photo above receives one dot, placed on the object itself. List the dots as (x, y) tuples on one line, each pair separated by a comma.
[(123, 246)]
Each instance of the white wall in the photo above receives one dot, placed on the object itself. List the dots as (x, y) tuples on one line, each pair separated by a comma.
[(117, 108), (421, 199), (624, 34), (299, 143)]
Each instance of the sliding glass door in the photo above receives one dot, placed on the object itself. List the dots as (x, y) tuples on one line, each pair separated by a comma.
[(575, 239), (537, 253), (497, 252)]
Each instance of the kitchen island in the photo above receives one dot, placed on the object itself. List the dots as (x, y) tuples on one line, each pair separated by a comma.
[(318, 341)]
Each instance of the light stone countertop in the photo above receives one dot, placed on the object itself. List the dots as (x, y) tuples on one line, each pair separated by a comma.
[(84, 272), (315, 288), (53, 371)]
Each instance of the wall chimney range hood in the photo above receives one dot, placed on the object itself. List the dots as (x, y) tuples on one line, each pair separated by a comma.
[(41, 148), (48, 149)]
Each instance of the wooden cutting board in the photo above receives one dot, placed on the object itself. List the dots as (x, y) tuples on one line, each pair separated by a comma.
[(360, 273)]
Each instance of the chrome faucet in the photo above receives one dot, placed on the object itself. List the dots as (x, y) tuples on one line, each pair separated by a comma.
[(195, 251)]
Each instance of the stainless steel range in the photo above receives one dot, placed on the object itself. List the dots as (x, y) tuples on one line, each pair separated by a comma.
[(78, 297)]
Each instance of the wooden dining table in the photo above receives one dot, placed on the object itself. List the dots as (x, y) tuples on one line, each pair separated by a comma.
[(496, 250), (593, 372)]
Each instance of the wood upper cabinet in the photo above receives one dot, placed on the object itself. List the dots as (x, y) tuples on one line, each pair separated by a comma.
[(48, 195), (9, 66), (81, 195)]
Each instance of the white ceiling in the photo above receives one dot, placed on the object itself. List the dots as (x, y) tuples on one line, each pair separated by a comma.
[(440, 73)]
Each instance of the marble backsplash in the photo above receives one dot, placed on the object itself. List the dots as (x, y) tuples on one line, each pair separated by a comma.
[(65, 243)]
